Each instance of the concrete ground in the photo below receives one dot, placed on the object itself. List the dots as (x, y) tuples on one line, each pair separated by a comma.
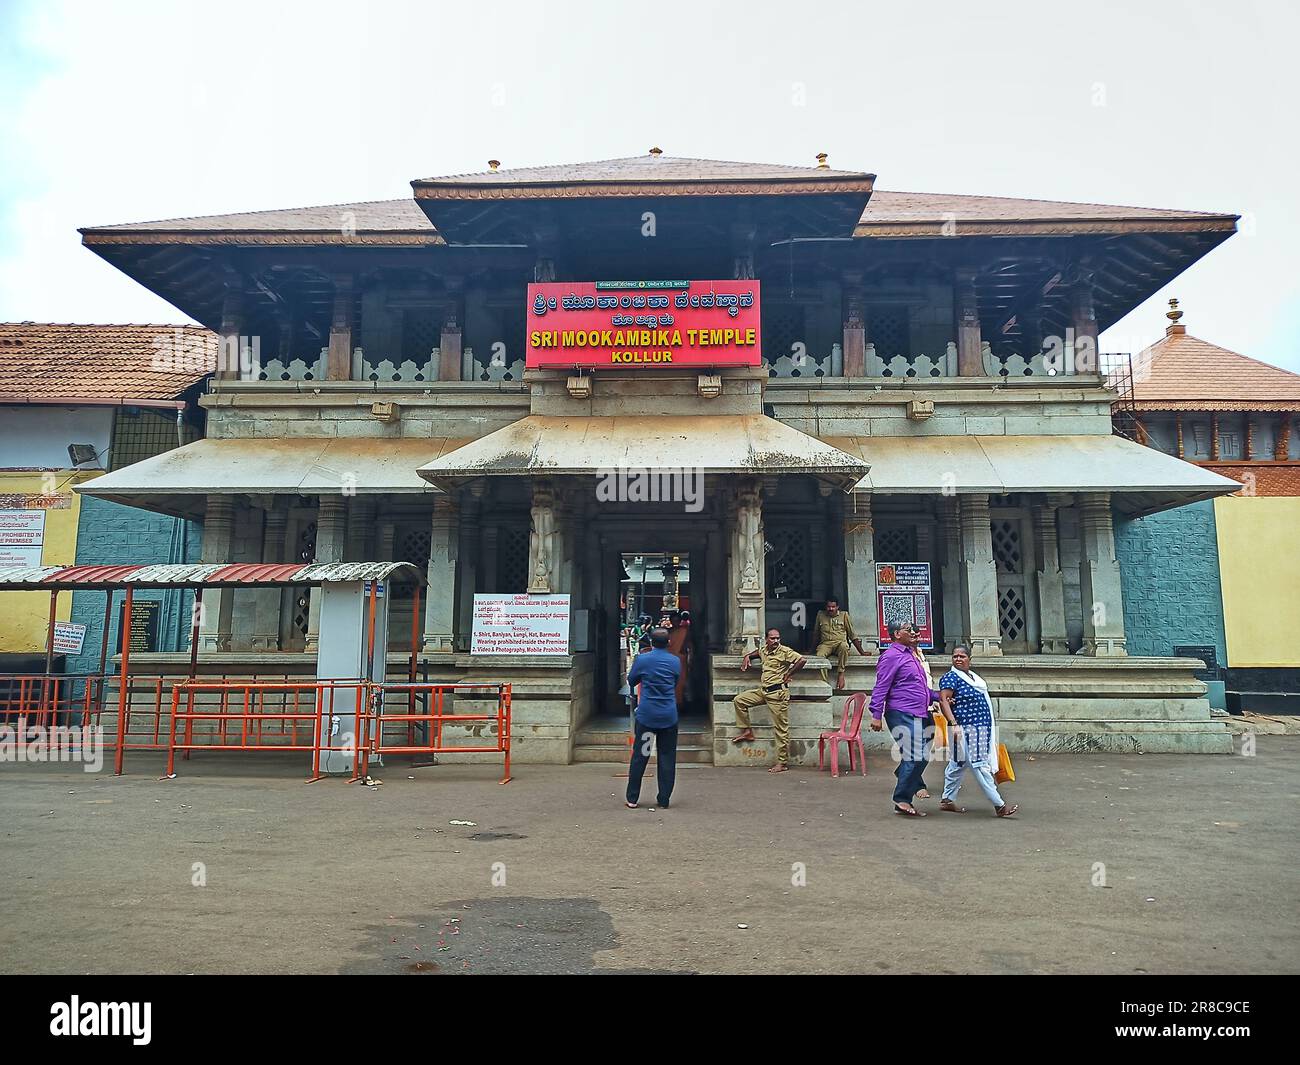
[(555, 875)]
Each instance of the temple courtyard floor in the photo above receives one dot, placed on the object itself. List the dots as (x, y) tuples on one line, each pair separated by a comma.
[(1116, 864)]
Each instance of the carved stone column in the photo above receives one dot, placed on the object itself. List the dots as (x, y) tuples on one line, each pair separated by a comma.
[(361, 522), (468, 565), (1053, 634), (954, 617), (331, 537), (440, 595), (748, 568), (980, 577), (860, 570), (218, 603), (1100, 589), (267, 624), (542, 563)]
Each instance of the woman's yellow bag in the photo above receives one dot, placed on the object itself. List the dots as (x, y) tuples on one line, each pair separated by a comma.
[(1005, 773)]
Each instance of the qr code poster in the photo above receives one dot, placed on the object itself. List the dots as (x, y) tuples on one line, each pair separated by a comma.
[(903, 596)]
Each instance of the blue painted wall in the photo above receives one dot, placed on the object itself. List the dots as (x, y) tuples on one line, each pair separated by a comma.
[(111, 534), (1169, 564)]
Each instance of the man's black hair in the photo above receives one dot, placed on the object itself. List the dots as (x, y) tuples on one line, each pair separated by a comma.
[(659, 638), (894, 626)]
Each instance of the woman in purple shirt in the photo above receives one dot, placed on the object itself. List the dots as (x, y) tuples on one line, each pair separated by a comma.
[(902, 695)]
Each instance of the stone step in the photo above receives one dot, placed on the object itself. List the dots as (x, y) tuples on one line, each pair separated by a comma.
[(693, 754)]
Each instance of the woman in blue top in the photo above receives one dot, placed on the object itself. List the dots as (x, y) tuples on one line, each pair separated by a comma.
[(964, 699)]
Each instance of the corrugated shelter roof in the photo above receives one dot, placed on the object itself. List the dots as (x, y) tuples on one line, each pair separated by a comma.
[(56, 363), (1183, 372), (222, 574)]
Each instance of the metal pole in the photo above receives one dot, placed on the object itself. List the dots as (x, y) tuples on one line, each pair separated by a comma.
[(47, 682), (194, 631), (123, 682)]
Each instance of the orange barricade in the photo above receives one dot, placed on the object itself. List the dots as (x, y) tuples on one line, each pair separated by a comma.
[(423, 703), (47, 699)]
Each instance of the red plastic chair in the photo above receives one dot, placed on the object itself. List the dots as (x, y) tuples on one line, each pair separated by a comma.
[(850, 732)]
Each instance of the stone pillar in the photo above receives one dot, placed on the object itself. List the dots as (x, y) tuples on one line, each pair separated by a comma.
[(979, 577), (1054, 638), (270, 601), (748, 569), (542, 545), (468, 564), (218, 603), (361, 522), (742, 250), (331, 528), (386, 542), (338, 360), (954, 617), (860, 570), (1100, 591), (855, 330), (230, 349), (490, 556), (1084, 357), (970, 359), (440, 595)]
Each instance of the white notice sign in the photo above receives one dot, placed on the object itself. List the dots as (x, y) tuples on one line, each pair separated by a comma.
[(520, 625), (22, 535), (68, 637)]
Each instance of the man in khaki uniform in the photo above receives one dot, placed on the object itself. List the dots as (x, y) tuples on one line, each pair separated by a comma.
[(779, 664), (832, 634)]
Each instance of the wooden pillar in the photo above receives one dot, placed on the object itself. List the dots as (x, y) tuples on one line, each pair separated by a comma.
[(338, 362), (1214, 437), (1178, 422), (855, 330), (232, 327), (1282, 446), (450, 349), (1082, 356), (970, 359)]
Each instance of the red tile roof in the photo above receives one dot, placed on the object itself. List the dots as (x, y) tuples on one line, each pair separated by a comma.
[(1183, 372), (636, 168), (53, 363), (1262, 478)]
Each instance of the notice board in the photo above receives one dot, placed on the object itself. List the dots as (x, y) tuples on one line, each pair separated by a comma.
[(520, 625)]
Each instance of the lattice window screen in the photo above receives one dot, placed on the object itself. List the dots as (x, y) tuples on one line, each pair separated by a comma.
[(789, 561), (887, 329), (896, 545), (1008, 552), (783, 327), (306, 552), (142, 435), (421, 333), (512, 559), (412, 547), (1011, 615)]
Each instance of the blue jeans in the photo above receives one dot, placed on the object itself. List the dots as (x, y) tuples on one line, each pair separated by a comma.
[(663, 741), (914, 747)]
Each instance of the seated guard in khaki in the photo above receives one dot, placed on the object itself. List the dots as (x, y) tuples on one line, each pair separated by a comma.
[(832, 634), (779, 664)]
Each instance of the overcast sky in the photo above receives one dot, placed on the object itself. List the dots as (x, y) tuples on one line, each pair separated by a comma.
[(122, 112)]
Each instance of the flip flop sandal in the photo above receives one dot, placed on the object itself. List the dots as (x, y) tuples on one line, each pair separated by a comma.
[(948, 806), (913, 812), (630, 805), (1006, 810)]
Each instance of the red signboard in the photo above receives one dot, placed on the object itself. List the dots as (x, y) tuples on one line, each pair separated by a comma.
[(643, 324)]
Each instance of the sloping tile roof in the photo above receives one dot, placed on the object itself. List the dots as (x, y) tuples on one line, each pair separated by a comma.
[(1264, 478), (637, 168), (1183, 372), (376, 216), (48, 363), (886, 214)]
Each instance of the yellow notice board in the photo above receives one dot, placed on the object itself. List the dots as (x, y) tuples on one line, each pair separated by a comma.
[(1259, 566), (24, 616)]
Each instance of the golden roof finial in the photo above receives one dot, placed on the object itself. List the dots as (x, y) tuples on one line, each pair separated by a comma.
[(1173, 314), (656, 151), (821, 161), (493, 164)]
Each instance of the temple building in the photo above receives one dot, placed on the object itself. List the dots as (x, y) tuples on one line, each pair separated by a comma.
[(766, 385), (1217, 580)]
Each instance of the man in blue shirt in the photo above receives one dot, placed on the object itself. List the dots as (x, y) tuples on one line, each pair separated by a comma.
[(656, 670)]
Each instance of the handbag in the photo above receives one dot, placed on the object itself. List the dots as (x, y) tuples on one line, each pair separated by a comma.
[(1005, 774)]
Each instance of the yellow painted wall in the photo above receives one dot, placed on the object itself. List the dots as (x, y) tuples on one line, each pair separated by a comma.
[(1259, 561), (25, 616)]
